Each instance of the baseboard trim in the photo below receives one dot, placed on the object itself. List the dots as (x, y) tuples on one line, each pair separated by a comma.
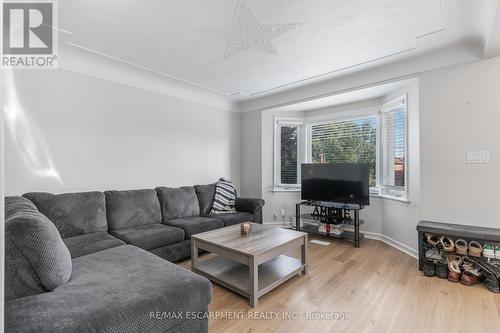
[(372, 235), (392, 242), (400, 246)]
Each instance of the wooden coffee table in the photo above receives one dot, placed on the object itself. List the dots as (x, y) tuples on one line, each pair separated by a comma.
[(250, 265)]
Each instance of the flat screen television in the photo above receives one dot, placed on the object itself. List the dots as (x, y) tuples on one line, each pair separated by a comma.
[(344, 183)]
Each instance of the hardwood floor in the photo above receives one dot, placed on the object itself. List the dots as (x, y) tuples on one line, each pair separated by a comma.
[(379, 287)]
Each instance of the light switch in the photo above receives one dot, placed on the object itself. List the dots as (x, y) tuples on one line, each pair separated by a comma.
[(485, 157), (478, 157)]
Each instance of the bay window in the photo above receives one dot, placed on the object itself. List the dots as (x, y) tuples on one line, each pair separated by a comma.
[(378, 139)]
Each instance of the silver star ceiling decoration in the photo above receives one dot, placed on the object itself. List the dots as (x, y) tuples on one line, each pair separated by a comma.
[(247, 33)]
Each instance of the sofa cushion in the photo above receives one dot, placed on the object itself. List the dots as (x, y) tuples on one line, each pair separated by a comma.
[(14, 205), (195, 225), (174, 252), (114, 290), (150, 236), (205, 194), (72, 213), (125, 209), (89, 243), (36, 258), (178, 202), (225, 196), (232, 218)]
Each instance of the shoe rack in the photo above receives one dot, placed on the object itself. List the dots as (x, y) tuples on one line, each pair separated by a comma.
[(455, 231)]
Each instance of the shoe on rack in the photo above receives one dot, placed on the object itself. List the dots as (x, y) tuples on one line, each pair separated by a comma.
[(432, 239), (454, 276), (455, 272), (473, 272), (447, 243), (442, 269), (497, 251), (475, 249), (489, 251), (454, 262), (429, 268), (477, 272), (434, 254), (468, 264), (461, 246), (491, 273), (469, 279), (494, 263), (487, 264), (491, 282)]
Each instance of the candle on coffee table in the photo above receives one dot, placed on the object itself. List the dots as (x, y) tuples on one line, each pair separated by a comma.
[(246, 228)]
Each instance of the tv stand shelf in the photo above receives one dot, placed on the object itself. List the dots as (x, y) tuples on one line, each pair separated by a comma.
[(336, 221), (347, 234), (352, 220)]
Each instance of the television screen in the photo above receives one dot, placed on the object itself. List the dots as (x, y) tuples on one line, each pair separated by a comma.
[(346, 183)]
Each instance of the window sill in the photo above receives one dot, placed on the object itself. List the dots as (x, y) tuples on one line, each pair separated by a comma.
[(391, 198), (286, 189), (372, 195)]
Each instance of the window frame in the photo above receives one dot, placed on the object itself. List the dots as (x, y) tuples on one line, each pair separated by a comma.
[(301, 146), (402, 191)]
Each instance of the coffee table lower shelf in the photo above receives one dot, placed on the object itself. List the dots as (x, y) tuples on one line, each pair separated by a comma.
[(235, 276)]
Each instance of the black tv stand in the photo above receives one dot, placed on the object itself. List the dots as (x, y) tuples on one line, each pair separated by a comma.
[(331, 213)]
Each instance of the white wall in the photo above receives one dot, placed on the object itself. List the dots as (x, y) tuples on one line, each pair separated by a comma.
[(69, 132), (251, 156), (460, 112)]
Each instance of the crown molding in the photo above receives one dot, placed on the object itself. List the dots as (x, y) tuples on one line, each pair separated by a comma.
[(369, 75), (78, 59)]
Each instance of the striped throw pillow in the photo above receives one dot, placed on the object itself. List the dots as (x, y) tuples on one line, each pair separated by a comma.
[(225, 196)]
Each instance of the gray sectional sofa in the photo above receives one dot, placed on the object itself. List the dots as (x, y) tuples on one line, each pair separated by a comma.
[(100, 262)]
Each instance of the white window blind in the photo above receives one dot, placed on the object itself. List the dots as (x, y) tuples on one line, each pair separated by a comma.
[(289, 153), (346, 141), (393, 148)]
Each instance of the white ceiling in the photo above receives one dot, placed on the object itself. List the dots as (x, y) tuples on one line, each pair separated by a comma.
[(242, 49)]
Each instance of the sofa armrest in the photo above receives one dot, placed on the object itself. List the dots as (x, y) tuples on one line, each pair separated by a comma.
[(249, 205)]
